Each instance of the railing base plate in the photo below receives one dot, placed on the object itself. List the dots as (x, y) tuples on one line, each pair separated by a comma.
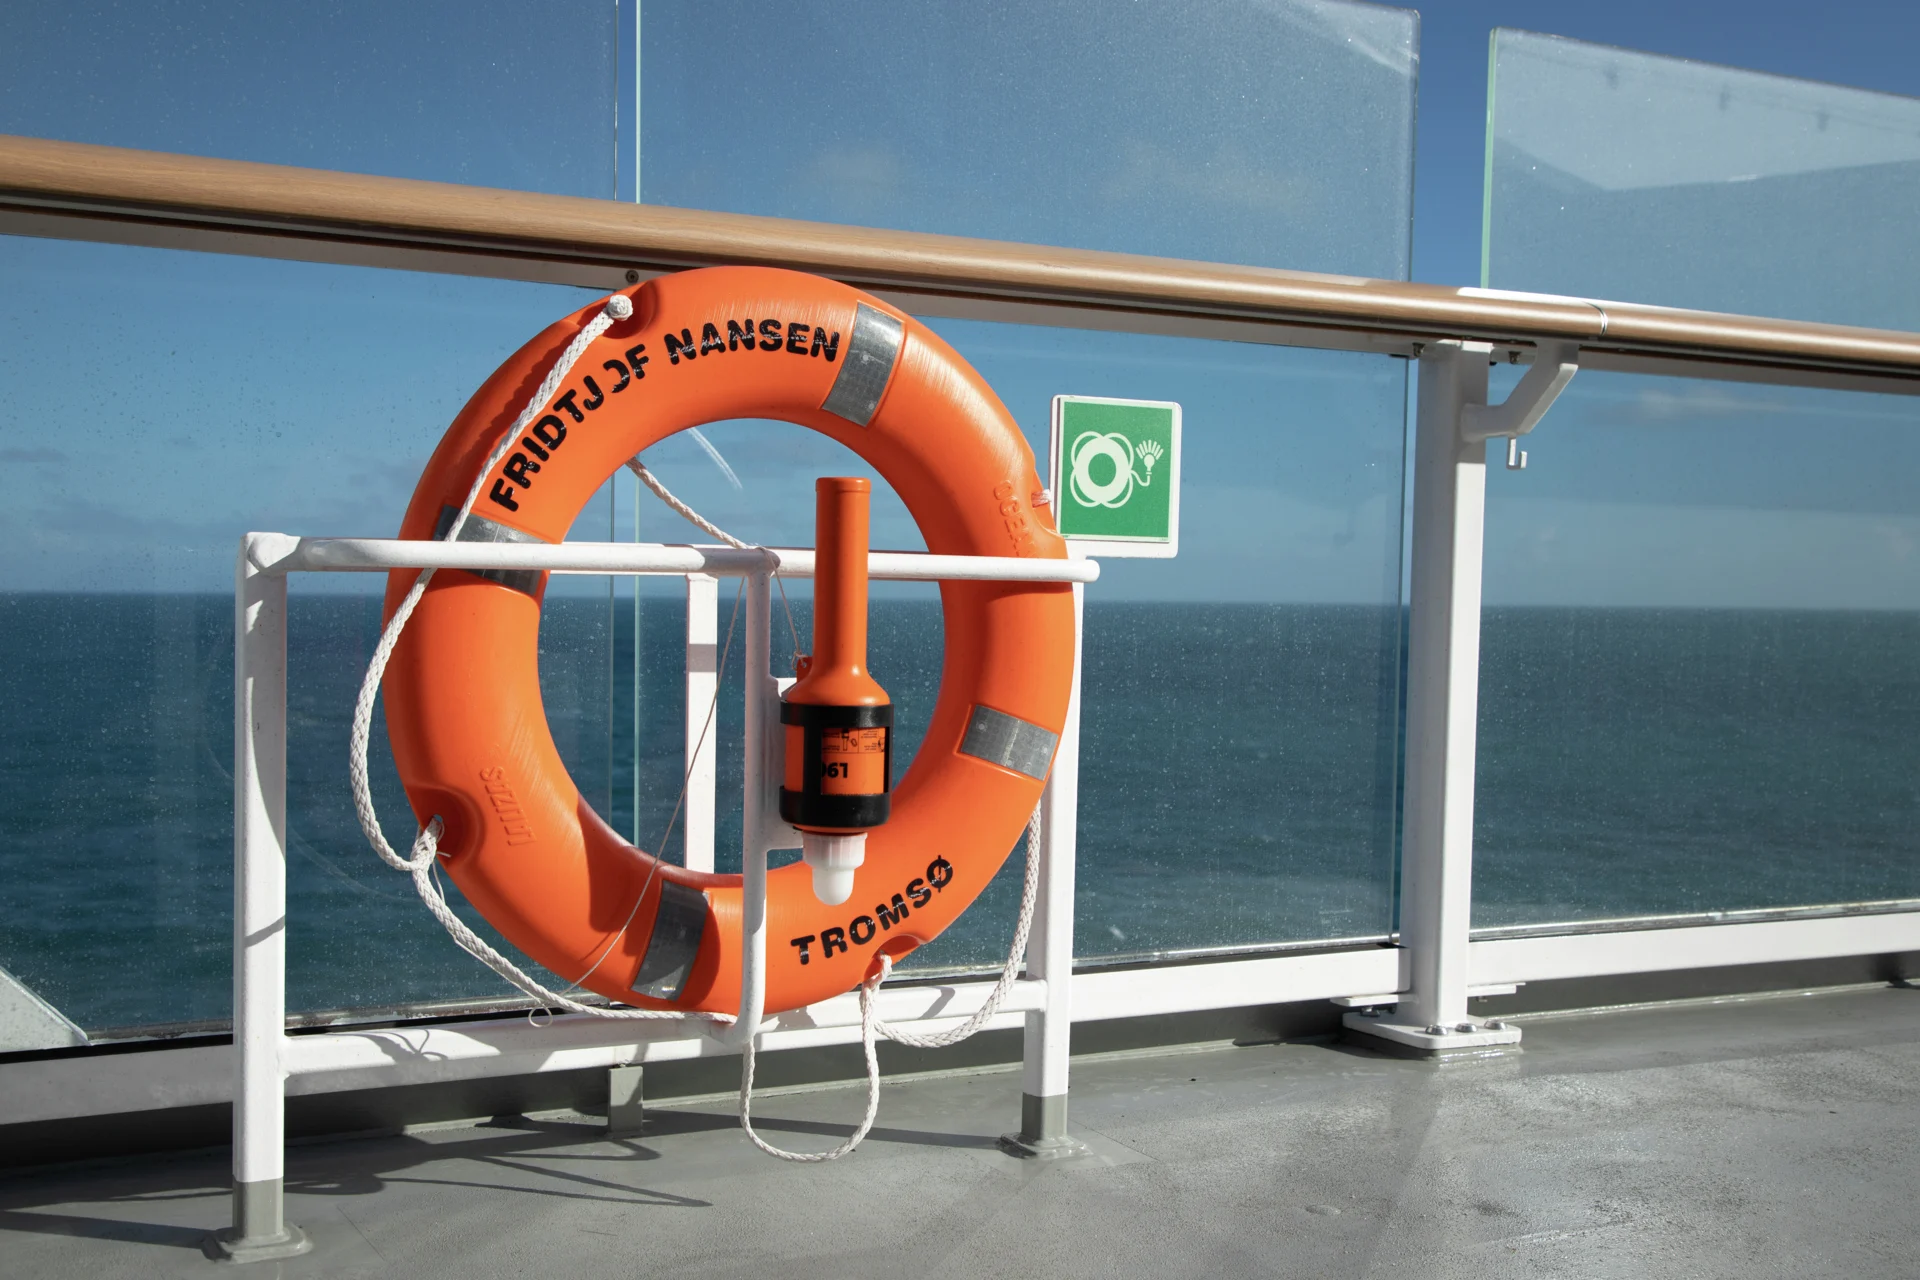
[(1060, 1148), (226, 1245), (1431, 1038)]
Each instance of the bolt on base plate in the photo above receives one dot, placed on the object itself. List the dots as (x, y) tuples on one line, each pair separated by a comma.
[(1433, 1037)]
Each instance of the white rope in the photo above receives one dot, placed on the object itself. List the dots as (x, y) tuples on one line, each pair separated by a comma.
[(422, 858), (686, 512), (707, 526), (1009, 973), (871, 1027)]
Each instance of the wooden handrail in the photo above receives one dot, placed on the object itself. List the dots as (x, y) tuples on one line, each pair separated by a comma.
[(105, 185)]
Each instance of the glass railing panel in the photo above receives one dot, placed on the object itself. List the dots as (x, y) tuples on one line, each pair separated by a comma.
[(216, 395), (484, 92), (1238, 767), (1617, 174), (1700, 668), (358, 936), (1279, 134)]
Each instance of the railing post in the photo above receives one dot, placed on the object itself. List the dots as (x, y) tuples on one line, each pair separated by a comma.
[(1049, 1031), (759, 804), (1443, 690), (702, 720), (260, 1230)]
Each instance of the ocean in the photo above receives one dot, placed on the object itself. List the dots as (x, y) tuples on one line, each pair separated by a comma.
[(1239, 779)]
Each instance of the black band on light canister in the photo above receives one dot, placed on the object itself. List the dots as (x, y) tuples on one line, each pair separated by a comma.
[(809, 806)]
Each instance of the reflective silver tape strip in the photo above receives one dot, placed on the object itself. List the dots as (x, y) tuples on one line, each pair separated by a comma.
[(677, 930), (480, 529), (871, 353), (1010, 742)]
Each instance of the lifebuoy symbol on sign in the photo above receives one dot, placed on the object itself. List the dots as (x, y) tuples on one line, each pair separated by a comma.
[(1114, 491)]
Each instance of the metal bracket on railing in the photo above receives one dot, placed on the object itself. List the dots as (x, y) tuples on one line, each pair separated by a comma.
[(1554, 364)]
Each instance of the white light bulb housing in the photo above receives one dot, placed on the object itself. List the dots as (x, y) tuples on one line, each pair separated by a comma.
[(833, 858)]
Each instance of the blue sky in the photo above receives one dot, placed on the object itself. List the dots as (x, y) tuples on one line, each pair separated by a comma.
[(1278, 132)]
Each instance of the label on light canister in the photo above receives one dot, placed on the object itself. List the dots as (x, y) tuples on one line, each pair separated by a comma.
[(853, 762)]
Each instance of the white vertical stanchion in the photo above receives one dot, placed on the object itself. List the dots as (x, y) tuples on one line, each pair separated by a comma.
[(639, 650), (260, 1230), (758, 802), (1049, 1031), (1443, 690), (703, 680)]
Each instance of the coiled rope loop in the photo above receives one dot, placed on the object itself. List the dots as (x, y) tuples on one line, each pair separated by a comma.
[(871, 1027)]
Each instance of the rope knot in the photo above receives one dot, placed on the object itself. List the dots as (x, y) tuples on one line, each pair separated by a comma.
[(426, 845), (619, 307)]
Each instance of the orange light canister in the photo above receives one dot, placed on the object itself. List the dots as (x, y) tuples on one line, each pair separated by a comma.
[(837, 720)]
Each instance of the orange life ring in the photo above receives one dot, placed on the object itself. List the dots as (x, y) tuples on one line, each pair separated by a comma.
[(462, 692)]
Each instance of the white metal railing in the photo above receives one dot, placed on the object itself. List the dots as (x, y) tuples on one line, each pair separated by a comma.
[(266, 1056), (378, 555)]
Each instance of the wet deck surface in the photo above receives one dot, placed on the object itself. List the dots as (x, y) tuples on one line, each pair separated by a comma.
[(1768, 1137)]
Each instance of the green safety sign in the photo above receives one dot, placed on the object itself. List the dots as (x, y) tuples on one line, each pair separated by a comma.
[(1115, 474)]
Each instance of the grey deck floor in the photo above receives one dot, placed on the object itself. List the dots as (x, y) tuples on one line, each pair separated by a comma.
[(1776, 1137)]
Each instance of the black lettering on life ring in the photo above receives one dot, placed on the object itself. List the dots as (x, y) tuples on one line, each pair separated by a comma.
[(638, 361), (918, 891), (797, 337), (566, 402), (619, 367), (832, 940), (710, 339), (550, 431), (681, 345), (739, 335), (893, 916), (821, 342), (519, 469), (770, 338), (939, 873), (801, 943), (862, 930), (599, 398), (503, 495)]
